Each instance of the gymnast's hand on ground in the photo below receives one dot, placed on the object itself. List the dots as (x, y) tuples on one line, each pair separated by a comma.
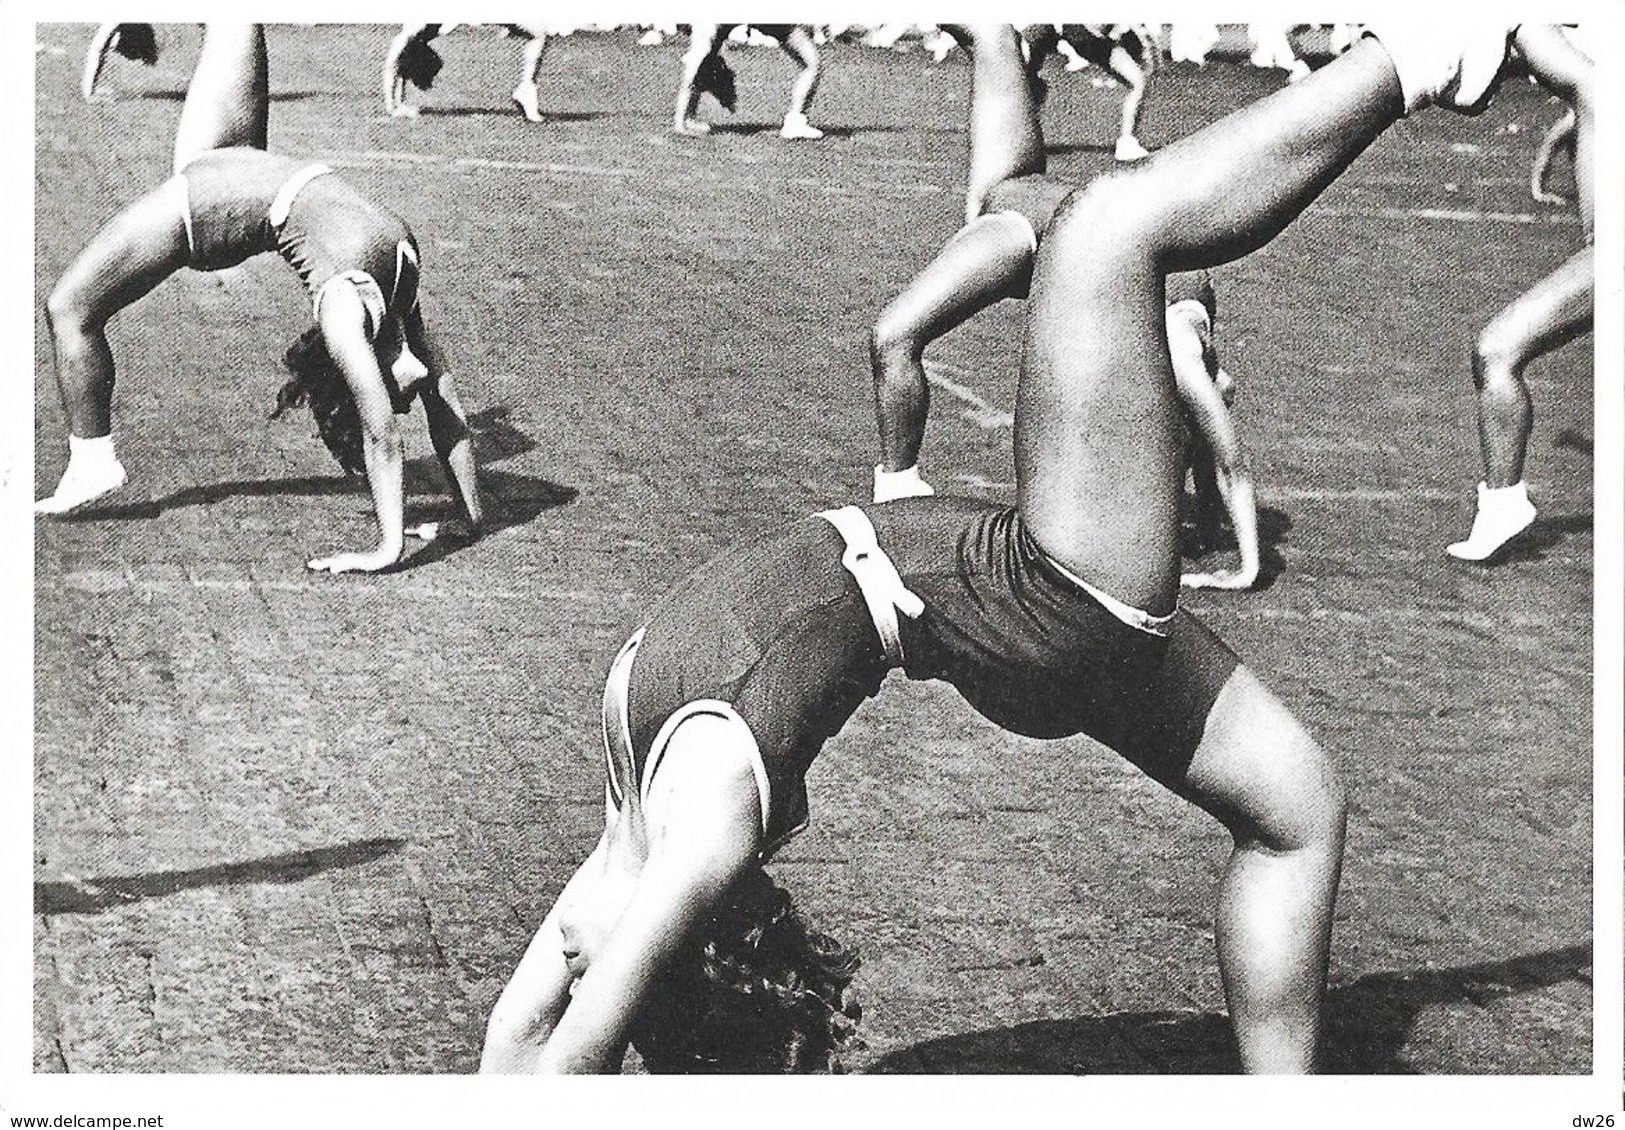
[(381, 558), (458, 528), (1232, 580)]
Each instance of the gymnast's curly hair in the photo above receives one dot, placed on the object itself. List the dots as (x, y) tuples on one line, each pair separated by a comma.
[(318, 382), (755, 991)]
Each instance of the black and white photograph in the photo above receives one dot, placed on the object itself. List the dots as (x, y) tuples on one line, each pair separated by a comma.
[(1069, 554)]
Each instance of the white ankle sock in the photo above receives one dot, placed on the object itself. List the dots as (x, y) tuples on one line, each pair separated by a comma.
[(1503, 513), (1513, 499), (907, 483), (95, 451), (93, 470)]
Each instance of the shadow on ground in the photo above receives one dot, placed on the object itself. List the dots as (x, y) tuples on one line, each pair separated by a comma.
[(1367, 1025), (511, 499), (1575, 441), (1544, 535), (756, 129), (313, 485), (495, 437), (92, 896), (177, 95), (512, 111), (1094, 149), (529, 494), (1274, 526)]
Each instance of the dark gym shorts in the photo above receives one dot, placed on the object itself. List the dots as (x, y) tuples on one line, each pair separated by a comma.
[(1028, 647)]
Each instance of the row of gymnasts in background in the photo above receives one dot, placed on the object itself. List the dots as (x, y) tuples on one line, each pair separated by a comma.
[(1127, 53)]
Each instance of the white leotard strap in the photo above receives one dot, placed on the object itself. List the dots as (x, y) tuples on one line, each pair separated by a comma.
[(283, 202), (1133, 617), (617, 732), (183, 201), (404, 253), (882, 587), (718, 709)]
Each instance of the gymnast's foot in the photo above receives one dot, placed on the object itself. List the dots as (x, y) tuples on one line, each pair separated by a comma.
[(525, 96), (1130, 149), (797, 128), (93, 470), (1503, 514), (907, 483)]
